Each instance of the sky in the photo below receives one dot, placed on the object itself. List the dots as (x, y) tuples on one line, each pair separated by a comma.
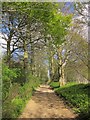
[(69, 7), (2, 41)]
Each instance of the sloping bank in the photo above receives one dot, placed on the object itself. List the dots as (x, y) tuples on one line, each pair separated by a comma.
[(18, 97), (77, 96)]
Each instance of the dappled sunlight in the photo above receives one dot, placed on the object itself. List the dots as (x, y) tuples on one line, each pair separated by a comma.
[(44, 88)]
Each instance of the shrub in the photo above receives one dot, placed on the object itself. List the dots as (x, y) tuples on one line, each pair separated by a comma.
[(8, 75), (77, 95), (55, 84), (18, 96), (18, 105)]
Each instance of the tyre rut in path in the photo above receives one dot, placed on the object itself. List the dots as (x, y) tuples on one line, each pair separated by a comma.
[(46, 104)]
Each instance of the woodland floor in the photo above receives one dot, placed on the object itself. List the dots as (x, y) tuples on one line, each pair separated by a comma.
[(46, 104)]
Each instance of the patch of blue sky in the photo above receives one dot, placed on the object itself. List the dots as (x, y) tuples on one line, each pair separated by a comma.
[(5, 31), (0, 27), (4, 28), (17, 53), (68, 7)]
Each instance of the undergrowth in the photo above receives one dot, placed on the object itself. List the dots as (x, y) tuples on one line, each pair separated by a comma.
[(17, 97), (78, 96)]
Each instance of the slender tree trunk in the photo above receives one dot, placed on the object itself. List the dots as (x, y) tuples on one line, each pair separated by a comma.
[(8, 53), (10, 19), (25, 61), (59, 65), (32, 59), (61, 77), (51, 67)]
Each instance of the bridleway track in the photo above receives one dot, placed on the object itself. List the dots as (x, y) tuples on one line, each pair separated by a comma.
[(46, 104)]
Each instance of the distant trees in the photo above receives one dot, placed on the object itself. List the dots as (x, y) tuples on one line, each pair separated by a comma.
[(81, 20), (76, 50)]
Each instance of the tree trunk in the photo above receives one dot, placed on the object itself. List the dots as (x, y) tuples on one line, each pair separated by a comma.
[(61, 77), (8, 53), (32, 60), (25, 61), (51, 67)]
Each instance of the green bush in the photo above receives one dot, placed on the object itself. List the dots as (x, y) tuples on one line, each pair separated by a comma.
[(55, 84), (78, 95), (8, 75), (16, 92), (18, 105), (18, 96)]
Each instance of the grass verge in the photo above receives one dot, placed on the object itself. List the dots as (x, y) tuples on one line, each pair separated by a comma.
[(78, 95)]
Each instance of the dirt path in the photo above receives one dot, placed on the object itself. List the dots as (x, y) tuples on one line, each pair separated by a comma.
[(45, 104)]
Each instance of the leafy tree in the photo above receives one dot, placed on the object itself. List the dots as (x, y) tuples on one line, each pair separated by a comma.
[(75, 55)]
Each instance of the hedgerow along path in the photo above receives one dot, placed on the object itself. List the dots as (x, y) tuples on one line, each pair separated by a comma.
[(46, 104)]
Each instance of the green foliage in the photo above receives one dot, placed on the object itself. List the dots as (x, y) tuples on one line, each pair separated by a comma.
[(18, 105), (55, 84), (8, 75), (78, 95), (58, 27), (18, 97), (27, 89), (54, 22)]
